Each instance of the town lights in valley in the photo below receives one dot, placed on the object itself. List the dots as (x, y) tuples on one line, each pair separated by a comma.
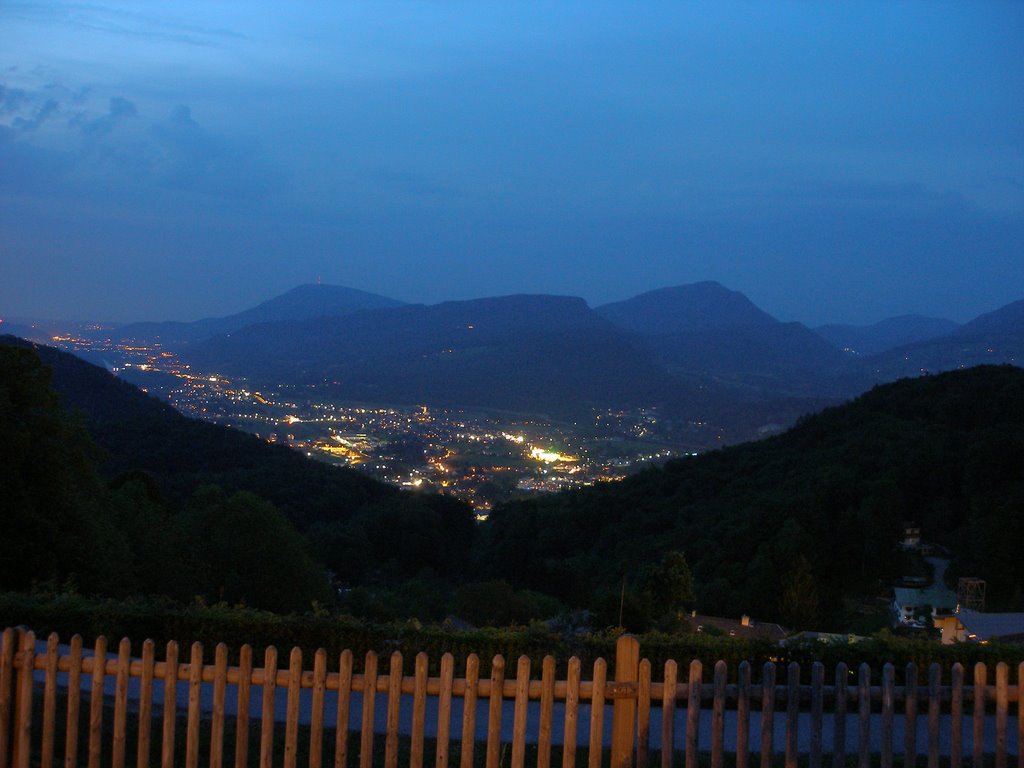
[(549, 457)]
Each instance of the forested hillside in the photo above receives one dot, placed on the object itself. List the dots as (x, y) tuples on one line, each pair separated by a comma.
[(123, 495), (787, 527)]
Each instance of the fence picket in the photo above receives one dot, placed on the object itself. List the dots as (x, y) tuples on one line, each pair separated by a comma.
[(74, 702), (934, 710), (99, 668), (124, 651), (743, 716), (572, 704), (23, 701), (6, 686), (1020, 715), (195, 678), (767, 714), (643, 714), (50, 702), (792, 712), (668, 713), (980, 681), (393, 710), (718, 716), (242, 719), (693, 683), (144, 741), (469, 711), (956, 715), (494, 712), (910, 719), (170, 705), (344, 706), (839, 716), (369, 696), (597, 713), (316, 726), (519, 716), (817, 708), (864, 716), (291, 727), (220, 677), (1002, 681), (444, 711), (547, 712), (267, 712), (888, 709), (419, 711)]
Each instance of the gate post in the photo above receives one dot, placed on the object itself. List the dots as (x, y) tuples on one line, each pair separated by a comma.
[(627, 673)]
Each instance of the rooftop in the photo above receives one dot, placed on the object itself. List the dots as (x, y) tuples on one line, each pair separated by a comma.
[(989, 626)]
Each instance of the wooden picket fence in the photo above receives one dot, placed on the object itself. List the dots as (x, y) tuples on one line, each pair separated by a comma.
[(43, 710)]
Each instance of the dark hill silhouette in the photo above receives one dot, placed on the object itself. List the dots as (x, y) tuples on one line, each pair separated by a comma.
[(993, 338), (706, 333), (706, 306), (886, 334), (184, 511), (300, 303), (15, 329), (139, 432), (787, 527), (547, 354), (1008, 319)]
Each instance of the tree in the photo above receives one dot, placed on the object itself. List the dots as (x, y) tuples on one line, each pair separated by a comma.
[(247, 552), (666, 589), (798, 601), (56, 524)]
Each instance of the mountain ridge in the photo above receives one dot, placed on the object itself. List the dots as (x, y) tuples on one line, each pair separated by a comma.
[(685, 308), (886, 334), (703, 351), (509, 352), (302, 302)]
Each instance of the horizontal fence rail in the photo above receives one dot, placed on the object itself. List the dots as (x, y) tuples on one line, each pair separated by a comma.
[(69, 706)]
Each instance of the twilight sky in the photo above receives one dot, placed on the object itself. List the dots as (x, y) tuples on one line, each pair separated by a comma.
[(836, 162)]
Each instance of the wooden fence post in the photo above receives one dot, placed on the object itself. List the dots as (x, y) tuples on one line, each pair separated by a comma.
[(627, 671)]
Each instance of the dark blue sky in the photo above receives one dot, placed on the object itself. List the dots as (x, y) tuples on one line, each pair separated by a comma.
[(835, 162)]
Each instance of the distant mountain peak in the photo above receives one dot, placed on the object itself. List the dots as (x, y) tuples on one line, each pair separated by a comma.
[(1008, 318), (702, 306), (303, 302), (886, 334)]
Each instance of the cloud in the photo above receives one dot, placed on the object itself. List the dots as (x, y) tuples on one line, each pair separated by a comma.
[(194, 159), (120, 110), (97, 17), (11, 100), (44, 113), (120, 150)]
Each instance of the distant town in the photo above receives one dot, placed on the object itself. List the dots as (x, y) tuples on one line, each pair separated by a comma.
[(483, 457)]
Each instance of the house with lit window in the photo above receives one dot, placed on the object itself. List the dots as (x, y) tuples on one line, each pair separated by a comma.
[(908, 603)]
